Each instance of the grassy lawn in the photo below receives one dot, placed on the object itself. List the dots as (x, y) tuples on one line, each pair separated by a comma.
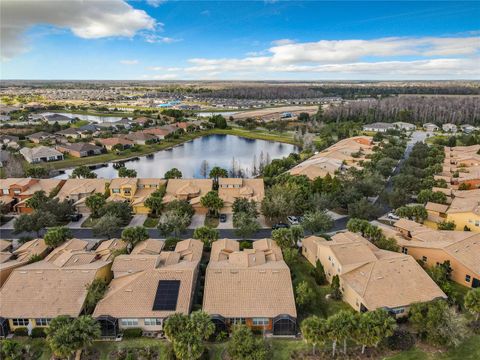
[(90, 222), (150, 222), (282, 349), (321, 306), (211, 221), (105, 347), (284, 137)]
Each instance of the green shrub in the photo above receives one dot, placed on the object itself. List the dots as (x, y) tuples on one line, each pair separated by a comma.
[(170, 243), (21, 331), (38, 332), (132, 333)]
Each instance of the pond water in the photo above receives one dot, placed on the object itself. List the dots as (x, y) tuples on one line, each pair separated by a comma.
[(216, 150)]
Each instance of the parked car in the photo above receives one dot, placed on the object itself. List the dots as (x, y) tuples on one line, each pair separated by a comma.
[(392, 216), (293, 220), (280, 226), (76, 217), (223, 218)]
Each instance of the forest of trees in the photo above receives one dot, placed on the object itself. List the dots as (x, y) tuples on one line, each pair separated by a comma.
[(413, 109)]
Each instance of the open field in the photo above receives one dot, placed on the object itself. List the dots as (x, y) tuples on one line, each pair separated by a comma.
[(274, 113)]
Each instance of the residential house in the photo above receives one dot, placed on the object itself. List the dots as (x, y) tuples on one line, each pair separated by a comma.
[(40, 136), (78, 190), (41, 154), (142, 121), (378, 127), (73, 133), (16, 191), (467, 128), (134, 191), (160, 133), (251, 287), (449, 127), (230, 189), (141, 138), (371, 278), (80, 149), (11, 260), (10, 141), (430, 127), (434, 247), (57, 118), (148, 287), (404, 126), (58, 285), (110, 143), (190, 190), (345, 153)]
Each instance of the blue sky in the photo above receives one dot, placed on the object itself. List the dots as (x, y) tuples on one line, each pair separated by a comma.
[(257, 40)]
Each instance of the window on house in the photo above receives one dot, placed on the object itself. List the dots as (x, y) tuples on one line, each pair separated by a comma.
[(398, 311), (115, 191), (404, 250), (152, 321), (127, 191), (16, 191), (5, 191), (260, 321), (424, 258), (477, 223), (129, 322), (20, 322), (238, 321), (42, 321), (467, 278)]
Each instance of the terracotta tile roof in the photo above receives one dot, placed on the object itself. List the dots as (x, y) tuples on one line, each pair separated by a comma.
[(132, 292), (5, 245), (370, 271), (81, 187), (233, 188), (441, 208), (247, 283), (193, 189), (148, 247), (51, 287)]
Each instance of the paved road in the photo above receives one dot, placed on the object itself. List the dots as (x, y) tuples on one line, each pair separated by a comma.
[(84, 233)]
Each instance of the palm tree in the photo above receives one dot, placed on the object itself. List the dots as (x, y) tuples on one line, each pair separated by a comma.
[(339, 327), (314, 330), (216, 173), (372, 327)]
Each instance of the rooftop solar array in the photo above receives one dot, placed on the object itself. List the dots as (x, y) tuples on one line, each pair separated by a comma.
[(167, 295)]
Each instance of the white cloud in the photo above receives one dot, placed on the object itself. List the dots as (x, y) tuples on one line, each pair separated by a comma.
[(86, 19), (282, 42), (429, 56), (155, 3), (129, 62), (153, 39)]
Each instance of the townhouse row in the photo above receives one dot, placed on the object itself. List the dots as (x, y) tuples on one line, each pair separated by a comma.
[(16, 191), (251, 286)]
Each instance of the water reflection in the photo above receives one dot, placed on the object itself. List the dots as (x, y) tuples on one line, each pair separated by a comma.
[(236, 154)]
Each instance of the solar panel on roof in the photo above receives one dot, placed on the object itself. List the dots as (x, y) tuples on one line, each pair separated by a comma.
[(167, 295)]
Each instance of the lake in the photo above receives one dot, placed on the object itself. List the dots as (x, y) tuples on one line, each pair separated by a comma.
[(217, 150)]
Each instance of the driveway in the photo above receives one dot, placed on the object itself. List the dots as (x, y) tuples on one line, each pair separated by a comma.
[(8, 225), (198, 220), (227, 224), (78, 224), (137, 220)]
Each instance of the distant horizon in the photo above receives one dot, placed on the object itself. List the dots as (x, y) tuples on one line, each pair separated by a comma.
[(135, 40)]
